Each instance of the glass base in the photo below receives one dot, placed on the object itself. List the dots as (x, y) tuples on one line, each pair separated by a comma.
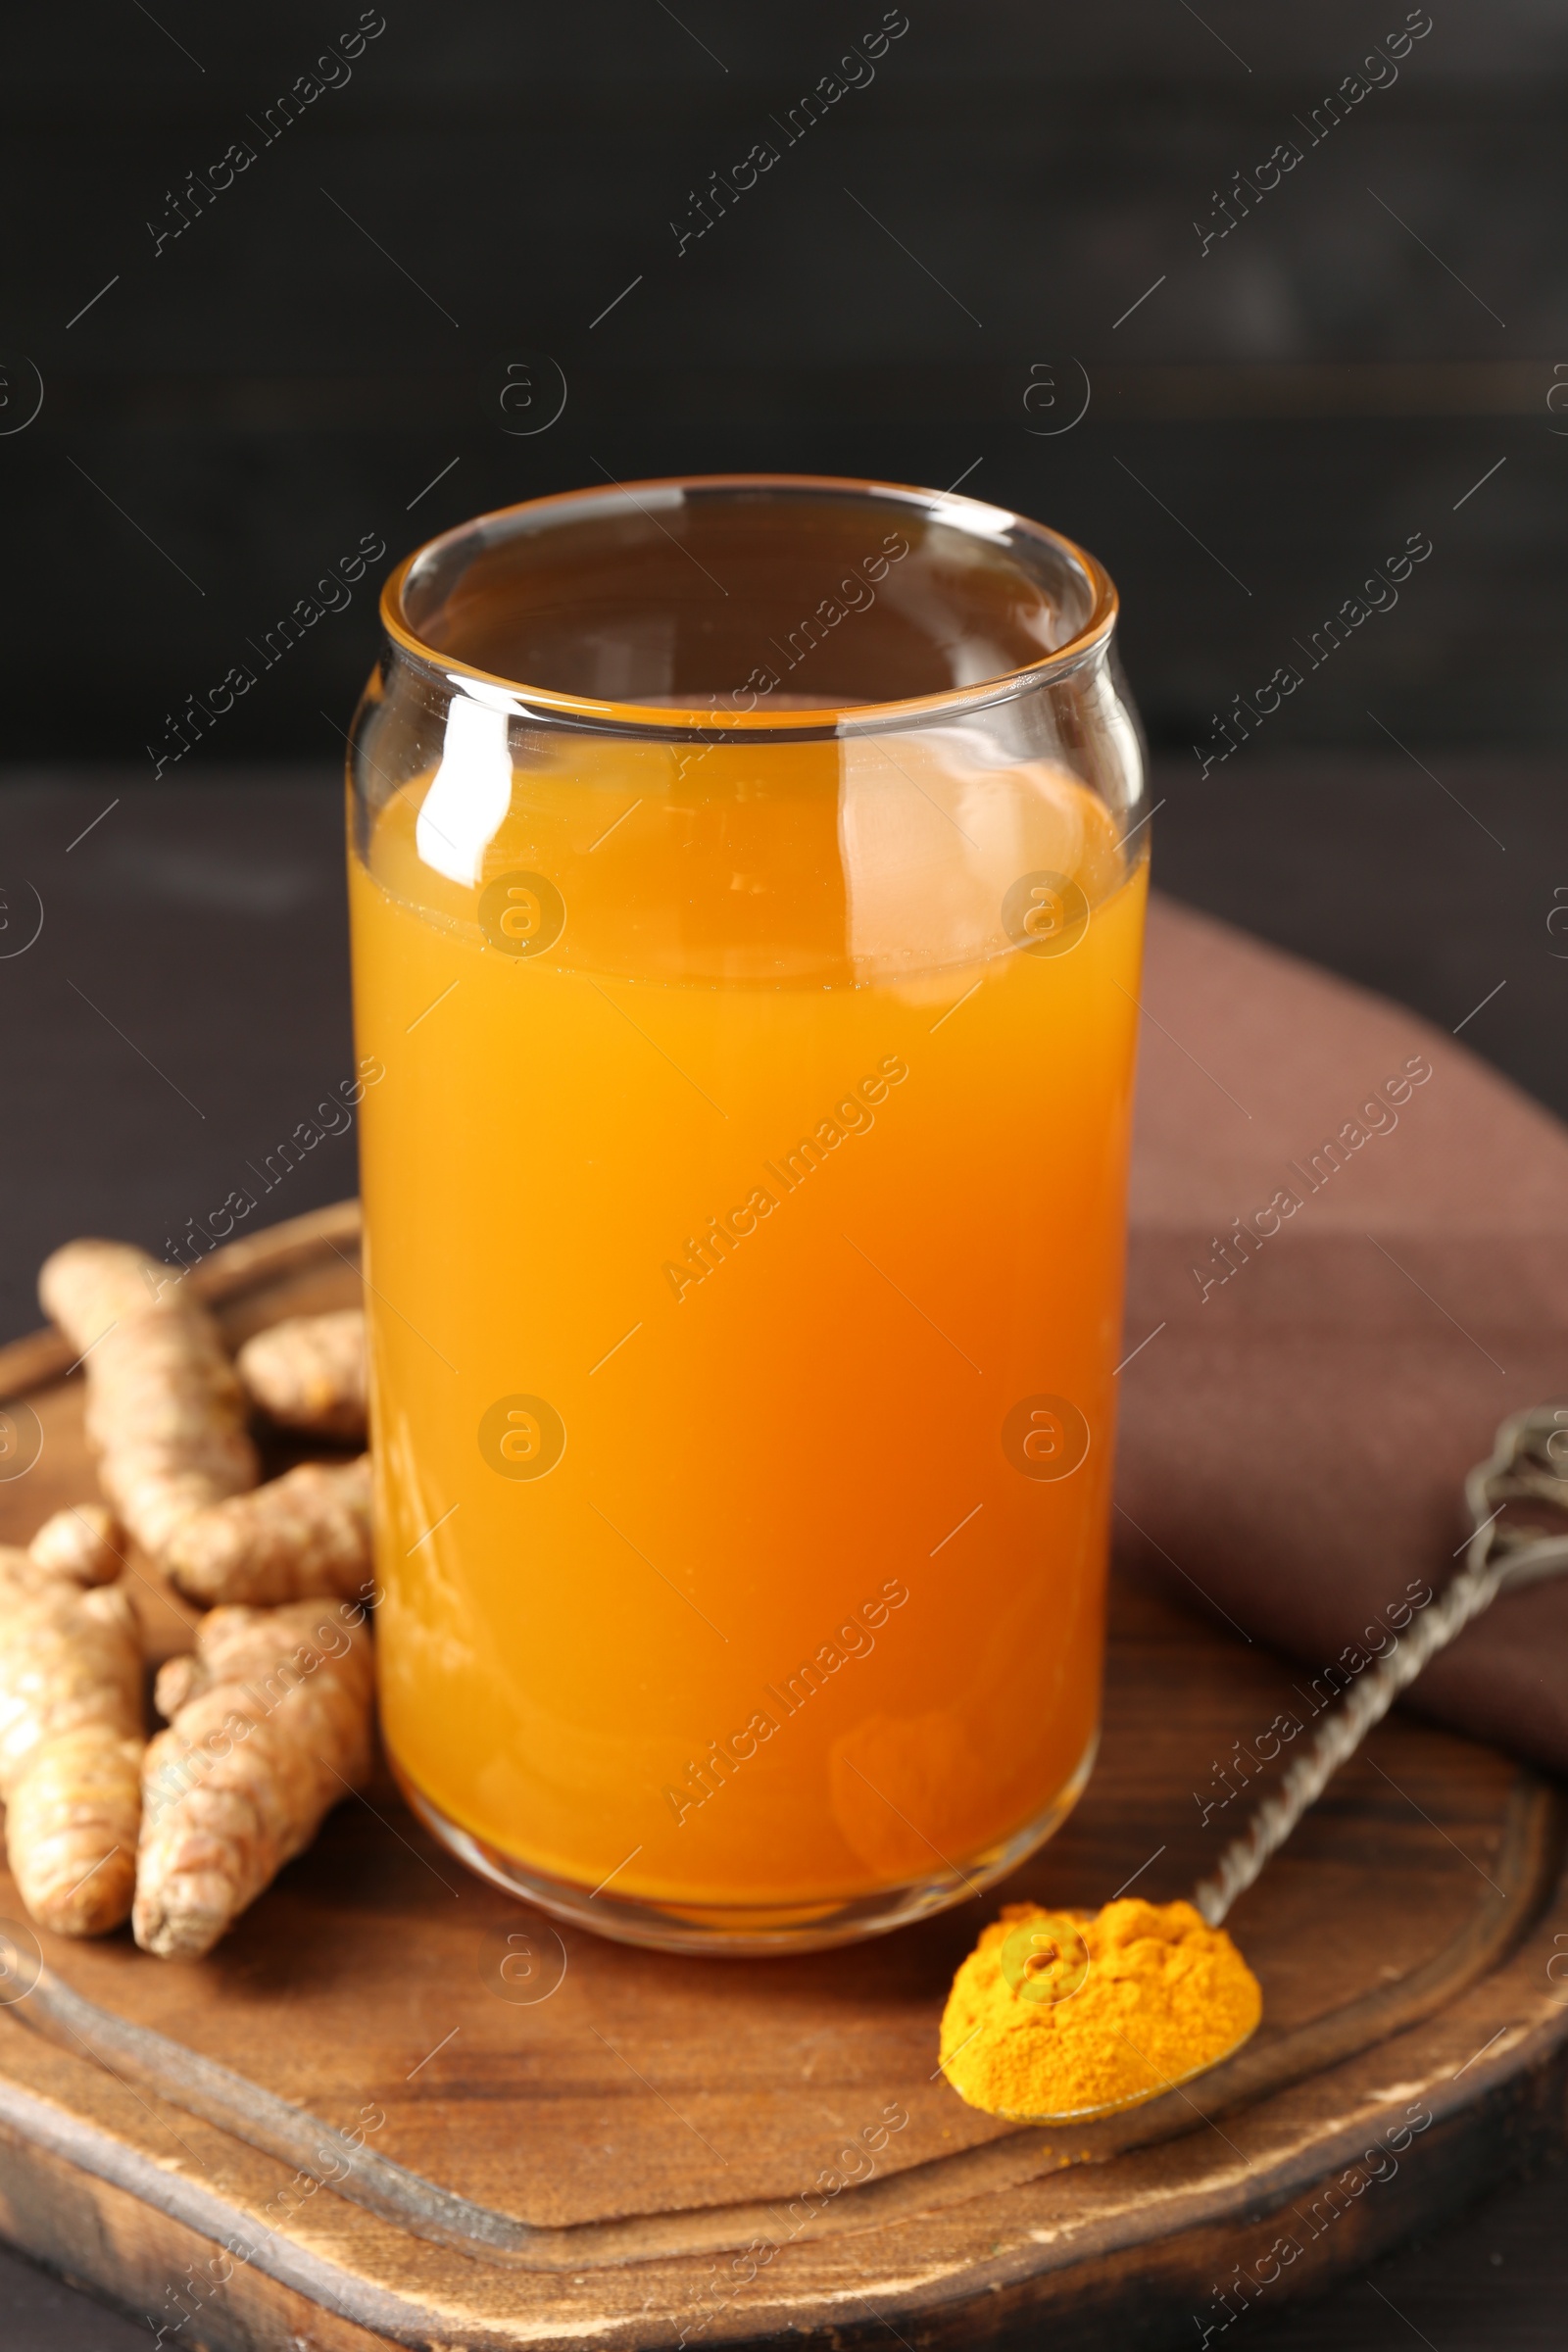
[(723, 1929)]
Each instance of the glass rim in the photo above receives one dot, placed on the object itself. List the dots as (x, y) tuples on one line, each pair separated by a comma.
[(980, 520)]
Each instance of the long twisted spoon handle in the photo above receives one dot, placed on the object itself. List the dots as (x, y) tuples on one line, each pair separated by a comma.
[(1491, 1566)]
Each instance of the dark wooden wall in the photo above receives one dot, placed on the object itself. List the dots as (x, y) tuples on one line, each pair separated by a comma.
[(332, 330)]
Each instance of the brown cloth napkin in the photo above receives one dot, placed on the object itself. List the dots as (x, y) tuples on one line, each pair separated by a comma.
[(1295, 1439)]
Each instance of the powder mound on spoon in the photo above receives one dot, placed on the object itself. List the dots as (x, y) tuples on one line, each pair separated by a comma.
[(1059, 2013)]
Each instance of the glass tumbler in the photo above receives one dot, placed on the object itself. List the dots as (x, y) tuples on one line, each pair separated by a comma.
[(747, 881)]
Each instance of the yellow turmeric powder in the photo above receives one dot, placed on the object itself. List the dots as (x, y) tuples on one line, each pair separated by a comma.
[(1059, 2013)]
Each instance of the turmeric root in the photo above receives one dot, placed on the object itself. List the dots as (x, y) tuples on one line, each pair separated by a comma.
[(309, 1373), (70, 1744), (270, 1726), (165, 1408), (84, 1541), (306, 1533)]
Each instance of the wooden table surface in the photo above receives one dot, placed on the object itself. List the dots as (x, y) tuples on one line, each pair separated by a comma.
[(238, 885)]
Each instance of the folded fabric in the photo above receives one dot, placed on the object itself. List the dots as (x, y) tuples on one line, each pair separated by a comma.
[(1348, 1240)]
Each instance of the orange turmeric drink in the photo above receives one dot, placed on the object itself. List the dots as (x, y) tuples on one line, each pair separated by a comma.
[(744, 1212)]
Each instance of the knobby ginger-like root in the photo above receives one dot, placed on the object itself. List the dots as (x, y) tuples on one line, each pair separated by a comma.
[(84, 1541), (309, 1373), (164, 1408), (70, 1744), (271, 1725), (167, 1412), (306, 1533), (70, 1831)]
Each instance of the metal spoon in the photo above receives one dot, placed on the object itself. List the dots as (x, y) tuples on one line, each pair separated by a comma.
[(1529, 1464)]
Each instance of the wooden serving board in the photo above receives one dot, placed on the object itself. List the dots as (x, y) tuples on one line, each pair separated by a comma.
[(653, 2118)]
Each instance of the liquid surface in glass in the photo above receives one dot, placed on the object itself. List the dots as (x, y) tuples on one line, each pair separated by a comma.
[(746, 1185)]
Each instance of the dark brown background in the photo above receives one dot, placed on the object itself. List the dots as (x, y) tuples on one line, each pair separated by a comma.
[(279, 380), (229, 417)]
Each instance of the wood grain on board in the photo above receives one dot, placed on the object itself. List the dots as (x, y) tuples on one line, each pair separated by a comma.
[(1405, 1942)]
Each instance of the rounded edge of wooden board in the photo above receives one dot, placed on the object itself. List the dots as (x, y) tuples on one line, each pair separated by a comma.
[(1113, 2275), (1512, 2111)]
